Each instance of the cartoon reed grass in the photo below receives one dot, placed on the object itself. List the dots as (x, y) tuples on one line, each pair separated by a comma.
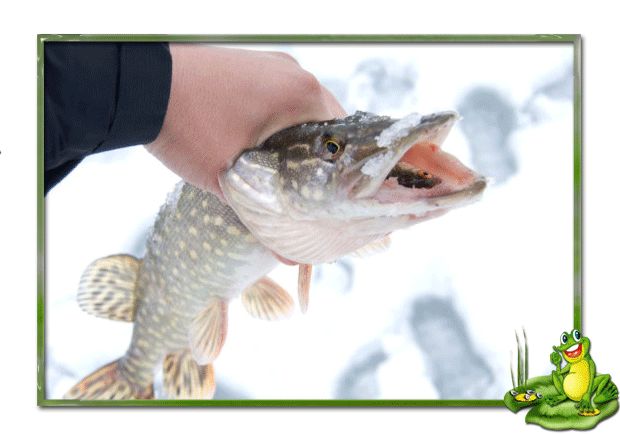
[(521, 362)]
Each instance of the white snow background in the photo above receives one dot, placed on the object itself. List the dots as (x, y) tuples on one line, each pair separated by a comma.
[(505, 262)]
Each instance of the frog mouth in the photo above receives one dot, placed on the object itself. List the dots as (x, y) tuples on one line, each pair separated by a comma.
[(574, 351)]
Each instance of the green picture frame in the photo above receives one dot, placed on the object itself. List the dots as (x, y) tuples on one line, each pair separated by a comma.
[(574, 40)]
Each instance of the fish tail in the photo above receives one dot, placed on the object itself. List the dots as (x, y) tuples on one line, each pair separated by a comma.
[(109, 382)]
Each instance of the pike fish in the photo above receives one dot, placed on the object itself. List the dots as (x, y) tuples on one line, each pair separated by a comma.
[(309, 194)]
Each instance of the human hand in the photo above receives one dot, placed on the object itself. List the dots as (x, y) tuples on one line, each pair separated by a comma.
[(225, 100)]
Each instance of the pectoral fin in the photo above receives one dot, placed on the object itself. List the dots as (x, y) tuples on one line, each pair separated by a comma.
[(303, 289), (372, 248), (207, 332), (267, 300)]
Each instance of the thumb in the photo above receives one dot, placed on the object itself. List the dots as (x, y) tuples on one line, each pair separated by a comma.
[(332, 104)]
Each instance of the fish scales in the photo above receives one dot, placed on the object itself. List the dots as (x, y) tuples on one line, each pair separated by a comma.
[(309, 194), (198, 251), (183, 270)]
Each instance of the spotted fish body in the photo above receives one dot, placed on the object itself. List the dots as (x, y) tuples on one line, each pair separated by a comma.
[(198, 256), (309, 194)]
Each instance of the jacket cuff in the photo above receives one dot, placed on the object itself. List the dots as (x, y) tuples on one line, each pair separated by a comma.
[(145, 74)]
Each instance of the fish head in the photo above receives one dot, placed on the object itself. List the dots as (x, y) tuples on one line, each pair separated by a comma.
[(349, 181)]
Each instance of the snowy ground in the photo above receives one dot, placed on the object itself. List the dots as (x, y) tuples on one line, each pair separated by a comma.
[(499, 265)]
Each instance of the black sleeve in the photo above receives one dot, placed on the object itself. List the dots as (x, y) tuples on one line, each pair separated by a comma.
[(100, 96)]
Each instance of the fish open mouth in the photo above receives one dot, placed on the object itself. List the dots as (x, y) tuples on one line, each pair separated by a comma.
[(321, 190), (423, 173)]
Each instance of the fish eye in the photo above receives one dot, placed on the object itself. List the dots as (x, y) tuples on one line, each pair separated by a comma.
[(564, 338), (332, 146), (576, 335)]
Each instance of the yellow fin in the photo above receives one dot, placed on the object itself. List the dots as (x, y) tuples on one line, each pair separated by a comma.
[(185, 379), (107, 383), (207, 332), (267, 300), (372, 248), (107, 287), (303, 288)]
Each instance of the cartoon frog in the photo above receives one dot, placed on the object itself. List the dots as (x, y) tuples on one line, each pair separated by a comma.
[(581, 382)]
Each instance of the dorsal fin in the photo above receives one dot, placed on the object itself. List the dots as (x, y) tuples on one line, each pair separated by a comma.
[(303, 286), (107, 287), (185, 379), (207, 332), (267, 300), (372, 248)]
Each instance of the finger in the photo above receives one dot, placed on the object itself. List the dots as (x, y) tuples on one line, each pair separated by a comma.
[(281, 55), (217, 190), (332, 104)]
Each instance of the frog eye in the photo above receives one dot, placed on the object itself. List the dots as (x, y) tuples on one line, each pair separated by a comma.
[(576, 335), (424, 174), (332, 146), (564, 338)]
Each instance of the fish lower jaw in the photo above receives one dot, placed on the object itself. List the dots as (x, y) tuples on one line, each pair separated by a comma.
[(418, 202), (423, 172), (429, 156)]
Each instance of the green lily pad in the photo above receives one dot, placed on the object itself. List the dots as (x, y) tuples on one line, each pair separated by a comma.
[(565, 415), (561, 416), (543, 385)]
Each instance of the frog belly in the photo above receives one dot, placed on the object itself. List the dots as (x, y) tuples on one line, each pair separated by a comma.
[(577, 380)]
